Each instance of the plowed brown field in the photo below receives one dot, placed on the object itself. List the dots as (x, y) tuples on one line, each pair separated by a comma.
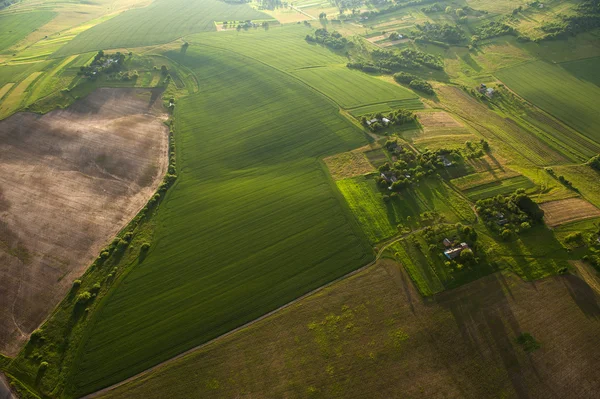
[(69, 181)]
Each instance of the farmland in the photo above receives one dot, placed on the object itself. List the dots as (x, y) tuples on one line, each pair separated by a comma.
[(54, 177), (296, 247), (556, 91), (461, 346), (16, 26), (177, 18), (569, 210), (279, 182)]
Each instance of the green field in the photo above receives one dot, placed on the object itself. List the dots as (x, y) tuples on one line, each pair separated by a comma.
[(556, 91), (380, 219), (500, 187), (17, 26), (350, 88), (253, 222), (160, 22), (586, 69)]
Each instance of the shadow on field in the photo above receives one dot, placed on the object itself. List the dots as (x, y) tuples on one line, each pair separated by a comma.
[(583, 295), (489, 327)]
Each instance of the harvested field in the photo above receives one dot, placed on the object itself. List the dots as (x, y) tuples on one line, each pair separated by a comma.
[(349, 164), (437, 120), (69, 181), (568, 210), (371, 336)]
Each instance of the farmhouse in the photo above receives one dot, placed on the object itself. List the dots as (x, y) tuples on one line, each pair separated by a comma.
[(455, 252), (489, 92), (445, 161), (371, 121), (385, 120)]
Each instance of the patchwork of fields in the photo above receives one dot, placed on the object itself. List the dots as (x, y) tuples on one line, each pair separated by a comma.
[(16, 27), (253, 222)]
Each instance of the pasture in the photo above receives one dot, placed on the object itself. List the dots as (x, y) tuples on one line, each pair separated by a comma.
[(555, 90), (567, 211), (160, 22), (253, 221), (354, 337)]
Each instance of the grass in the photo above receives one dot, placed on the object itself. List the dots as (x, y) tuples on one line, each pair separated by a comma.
[(380, 219), (481, 178), (17, 95), (214, 266), (556, 91), (586, 69), (499, 187), (371, 336), (411, 103), (160, 22), (16, 27), (350, 88)]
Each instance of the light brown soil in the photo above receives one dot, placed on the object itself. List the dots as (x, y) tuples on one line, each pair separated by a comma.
[(568, 210), (372, 336), (69, 181), (349, 164), (437, 120)]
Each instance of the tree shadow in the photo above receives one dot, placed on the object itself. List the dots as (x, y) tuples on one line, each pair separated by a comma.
[(583, 295)]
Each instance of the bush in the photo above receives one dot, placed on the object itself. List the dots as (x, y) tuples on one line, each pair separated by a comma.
[(43, 366), (145, 247), (95, 288), (527, 342), (84, 297), (37, 335), (76, 284)]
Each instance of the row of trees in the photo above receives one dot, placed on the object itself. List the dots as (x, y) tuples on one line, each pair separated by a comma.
[(332, 40), (414, 82)]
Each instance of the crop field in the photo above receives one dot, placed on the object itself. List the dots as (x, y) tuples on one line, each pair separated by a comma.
[(381, 220), (160, 22), (350, 88), (584, 179), (568, 210), (556, 91), (501, 187), (242, 161), (586, 69), (372, 328), (349, 164), (92, 165), (410, 104), (481, 178), (17, 95), (16, 26)]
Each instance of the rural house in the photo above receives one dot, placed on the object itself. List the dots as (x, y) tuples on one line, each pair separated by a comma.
[(453, 253)]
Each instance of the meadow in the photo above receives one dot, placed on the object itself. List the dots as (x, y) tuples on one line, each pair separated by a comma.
[(557, 92), (160, 22), (498, 187), (214, 264), (382, 219)]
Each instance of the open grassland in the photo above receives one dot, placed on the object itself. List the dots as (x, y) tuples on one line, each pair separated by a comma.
[(252, 222), (160, 22), (553, 89), (351, 88), (568, 210), (353, 338), (17, 26), (380, 219), (498, 187)]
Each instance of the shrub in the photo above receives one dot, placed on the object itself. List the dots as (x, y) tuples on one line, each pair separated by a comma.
[(83, 297), (145, 247), (37, 335), (76, 284), (43, 366), (95, 288), (527, 342)]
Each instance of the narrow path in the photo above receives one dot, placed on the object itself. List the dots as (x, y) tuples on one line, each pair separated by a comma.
[(303, 13)]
